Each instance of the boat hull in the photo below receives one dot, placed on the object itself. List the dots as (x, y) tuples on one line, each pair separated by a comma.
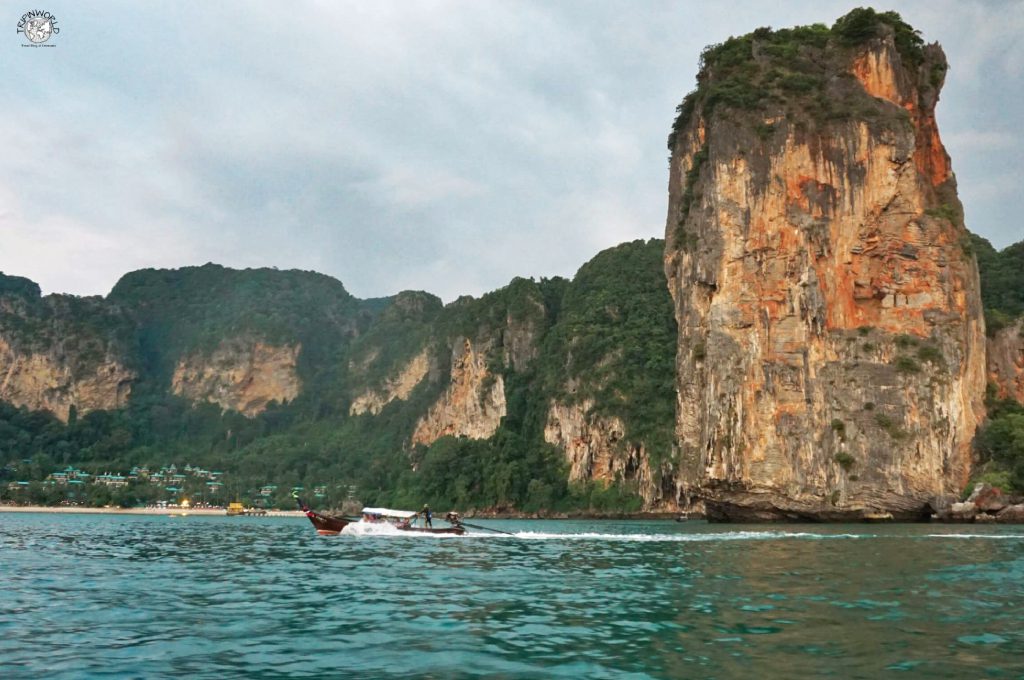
[(325, 525), (454, 531)]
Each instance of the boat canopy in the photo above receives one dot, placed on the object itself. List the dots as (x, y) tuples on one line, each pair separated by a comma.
[(385, 512)]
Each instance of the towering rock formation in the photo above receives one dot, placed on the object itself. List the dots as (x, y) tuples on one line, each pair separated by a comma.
[(831, 357)]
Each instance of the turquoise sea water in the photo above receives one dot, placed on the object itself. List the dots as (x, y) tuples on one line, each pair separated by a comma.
[(211, 597)]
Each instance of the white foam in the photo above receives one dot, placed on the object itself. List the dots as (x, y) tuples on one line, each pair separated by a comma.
[(990, 536), (371, 529), (386, 529), (683, 538)]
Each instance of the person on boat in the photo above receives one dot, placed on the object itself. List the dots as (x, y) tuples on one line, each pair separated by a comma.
[(426, 516)]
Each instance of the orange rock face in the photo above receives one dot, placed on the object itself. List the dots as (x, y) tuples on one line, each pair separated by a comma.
[(240, 375), (47, 381), (831, 357), (597, 450), (472, 406)]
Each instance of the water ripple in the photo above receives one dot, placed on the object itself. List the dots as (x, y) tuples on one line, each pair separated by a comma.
[(125, 596)]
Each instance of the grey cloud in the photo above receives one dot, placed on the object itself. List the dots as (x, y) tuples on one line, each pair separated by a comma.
[(446, 146)]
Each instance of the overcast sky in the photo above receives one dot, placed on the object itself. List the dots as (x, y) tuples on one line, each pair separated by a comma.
[(444, 146)]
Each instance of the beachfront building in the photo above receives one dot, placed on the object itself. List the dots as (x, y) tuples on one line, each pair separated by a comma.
[(111, 480), (66, 475), (138, 473)]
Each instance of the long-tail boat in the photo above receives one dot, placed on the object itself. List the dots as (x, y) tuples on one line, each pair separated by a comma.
[(379, 518), (406, 520)]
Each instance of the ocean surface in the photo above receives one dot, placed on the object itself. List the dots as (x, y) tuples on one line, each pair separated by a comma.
[(210, 597)]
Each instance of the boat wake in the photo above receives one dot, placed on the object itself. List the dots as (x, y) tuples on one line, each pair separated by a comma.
[(677, 538), (383, 529), (991, 536), (728, 536), (362, 529)]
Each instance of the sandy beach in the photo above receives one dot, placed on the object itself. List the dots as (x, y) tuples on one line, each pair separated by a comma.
[(138, 511)]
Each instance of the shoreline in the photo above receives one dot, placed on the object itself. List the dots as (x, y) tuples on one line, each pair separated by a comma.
[(214, 512), (207, 512), (667, 517)]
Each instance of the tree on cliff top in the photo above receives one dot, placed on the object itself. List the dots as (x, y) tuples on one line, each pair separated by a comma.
[(793, 66)]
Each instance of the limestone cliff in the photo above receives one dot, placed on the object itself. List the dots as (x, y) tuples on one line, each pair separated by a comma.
[(472, 405), (241, 375), (47, 381), (233, 337), (1006, 361), (520, 335), (395, 387), (596, 449), (831, 356), (59, 351), (482, 340)]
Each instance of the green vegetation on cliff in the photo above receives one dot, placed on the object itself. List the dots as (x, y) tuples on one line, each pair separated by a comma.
[(398, 333), (84, 330), (615, 340), (19, 286), (608, 335), (1002, 282), (194, 310), (1000, 443), (790, 72)]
